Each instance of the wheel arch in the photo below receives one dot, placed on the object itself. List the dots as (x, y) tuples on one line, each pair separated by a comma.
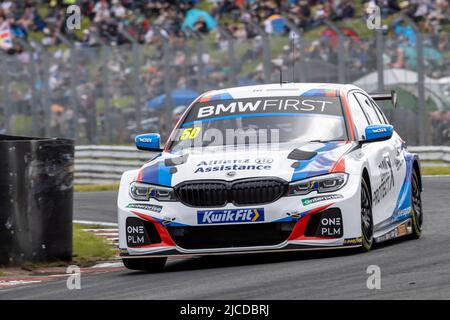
[(365, 175), (417, 169)]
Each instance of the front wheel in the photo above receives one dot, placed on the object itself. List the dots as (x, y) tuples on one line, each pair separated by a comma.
[(416, 204), (366, 218), (145, 264)]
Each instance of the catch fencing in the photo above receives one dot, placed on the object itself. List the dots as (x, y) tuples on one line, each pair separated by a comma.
[(99, 165), (107, 94)]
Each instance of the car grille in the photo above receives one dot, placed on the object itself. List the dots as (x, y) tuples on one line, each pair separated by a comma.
[(239, 192), (231, 236)]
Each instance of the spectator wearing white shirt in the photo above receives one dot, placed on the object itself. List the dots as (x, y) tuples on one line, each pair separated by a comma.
[(101, 10), (118, 10)]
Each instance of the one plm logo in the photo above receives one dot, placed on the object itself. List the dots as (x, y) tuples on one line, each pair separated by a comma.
[(373, 20), (230, 216)]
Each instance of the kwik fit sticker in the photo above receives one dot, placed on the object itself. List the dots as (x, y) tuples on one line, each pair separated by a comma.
[(230, 216)]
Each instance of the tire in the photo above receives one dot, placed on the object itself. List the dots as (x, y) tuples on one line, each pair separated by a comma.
[(416, 207), (366, 218), (145, 264)]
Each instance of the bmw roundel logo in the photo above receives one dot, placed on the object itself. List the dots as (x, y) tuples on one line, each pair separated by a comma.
[(231, 173)]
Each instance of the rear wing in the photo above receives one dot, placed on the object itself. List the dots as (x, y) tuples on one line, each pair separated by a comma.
[(386, 97)]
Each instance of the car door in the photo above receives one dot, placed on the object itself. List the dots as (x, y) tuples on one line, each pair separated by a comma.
[(368, 150), (386, 174)]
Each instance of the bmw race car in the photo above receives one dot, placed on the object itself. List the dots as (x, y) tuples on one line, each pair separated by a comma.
[(271, 168)]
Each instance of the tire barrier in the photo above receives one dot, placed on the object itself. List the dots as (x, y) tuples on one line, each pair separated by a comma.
[(36, 199)]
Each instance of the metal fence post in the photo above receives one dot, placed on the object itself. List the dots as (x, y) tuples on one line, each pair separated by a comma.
[(136, 77), (46, 90), (199, 50), (73, 91), (200, 66), (45, 93), (35, 110), (341, 50), (267, 60), (106, 94), (232, 80), (301, 66), (167, 80), (72, 84), (380, 66), (421, 90), (421, 119), (6, 97)]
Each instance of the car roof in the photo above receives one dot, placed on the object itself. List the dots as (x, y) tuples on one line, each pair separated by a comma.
[(271, 90)]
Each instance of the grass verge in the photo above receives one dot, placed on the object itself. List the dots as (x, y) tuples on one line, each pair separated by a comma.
[(100, 187), (436, 170), (89, 248)]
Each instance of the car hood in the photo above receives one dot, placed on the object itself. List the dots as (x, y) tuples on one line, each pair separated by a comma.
[(285, 161)]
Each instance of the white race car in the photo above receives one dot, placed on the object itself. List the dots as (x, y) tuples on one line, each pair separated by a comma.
[(270, 168)]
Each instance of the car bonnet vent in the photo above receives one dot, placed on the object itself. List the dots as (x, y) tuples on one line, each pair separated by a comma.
[(298, 154), (176, 160)]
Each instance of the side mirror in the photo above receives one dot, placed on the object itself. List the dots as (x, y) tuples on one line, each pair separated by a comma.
[(379, 132), (148, 142)]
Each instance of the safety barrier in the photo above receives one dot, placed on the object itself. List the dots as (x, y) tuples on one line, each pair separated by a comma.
[(105, 164), (432, 153), (36, 196)]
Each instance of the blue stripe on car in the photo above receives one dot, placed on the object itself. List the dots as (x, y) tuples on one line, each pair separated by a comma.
[(221, 96), (317, 165), (158, 173), (402, 209)]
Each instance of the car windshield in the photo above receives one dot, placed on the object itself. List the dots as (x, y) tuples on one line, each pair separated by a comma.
[(261, 121)]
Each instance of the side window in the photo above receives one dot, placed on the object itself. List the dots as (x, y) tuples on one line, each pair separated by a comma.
[(380, 113), (358, 116), (365, 103)]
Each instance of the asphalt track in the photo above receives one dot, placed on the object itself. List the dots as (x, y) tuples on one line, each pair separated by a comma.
[(95, 206), (418, 269)]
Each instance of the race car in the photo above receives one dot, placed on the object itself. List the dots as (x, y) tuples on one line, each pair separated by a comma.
[(270, 168)]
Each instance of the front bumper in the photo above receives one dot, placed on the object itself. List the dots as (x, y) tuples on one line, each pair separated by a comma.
[(290, 223)]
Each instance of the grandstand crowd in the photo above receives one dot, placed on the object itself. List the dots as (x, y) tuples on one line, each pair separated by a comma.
[(105, 18), (106, 22)]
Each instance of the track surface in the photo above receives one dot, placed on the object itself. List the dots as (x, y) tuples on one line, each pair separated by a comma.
[(95, 206), (418, 269)]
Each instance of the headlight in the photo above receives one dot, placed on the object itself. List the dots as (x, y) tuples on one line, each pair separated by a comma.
[(143, 192), (321, 184)]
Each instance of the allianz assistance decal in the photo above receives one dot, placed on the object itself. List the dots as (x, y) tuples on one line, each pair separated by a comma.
[(230, 216)]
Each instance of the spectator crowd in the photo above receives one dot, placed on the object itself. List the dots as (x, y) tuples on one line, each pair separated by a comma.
[(105, 19), (154, 22)]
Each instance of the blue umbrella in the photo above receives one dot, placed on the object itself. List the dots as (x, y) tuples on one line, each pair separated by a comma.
[(179, 97), (193, 15)]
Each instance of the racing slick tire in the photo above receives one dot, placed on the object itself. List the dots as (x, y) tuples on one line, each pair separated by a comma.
[(145, 264), (366, 218), (417, 211)]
